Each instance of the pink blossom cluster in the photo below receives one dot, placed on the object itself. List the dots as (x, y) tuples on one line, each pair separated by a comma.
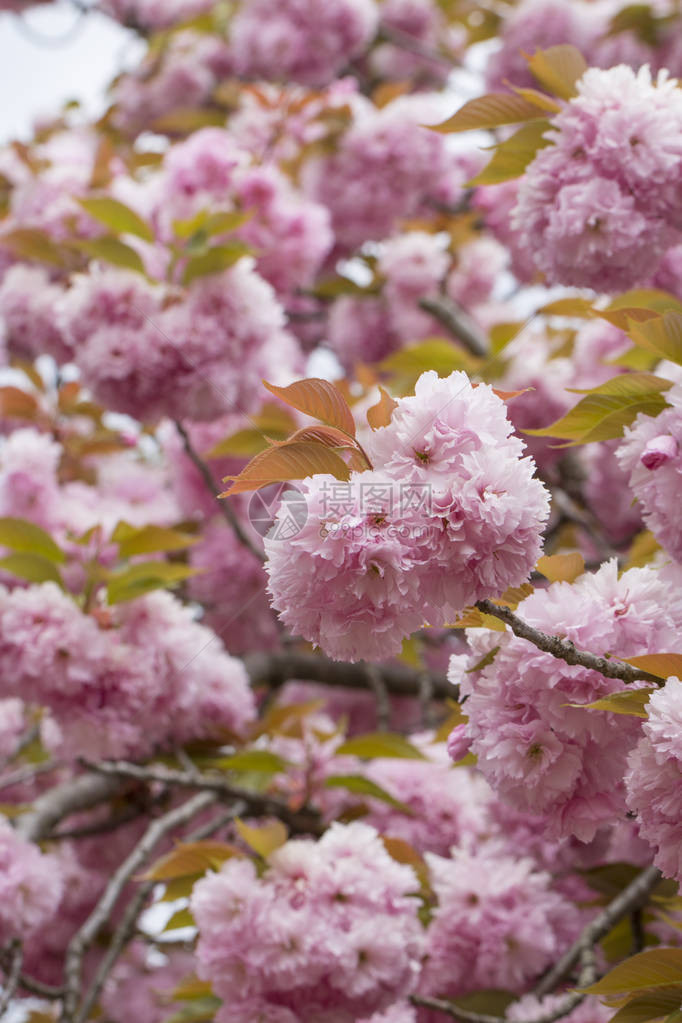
[(30, 886), (651, 455), (536, 748), (299, 40), (498, 923), (599, 206), (654, 776), (148, 676), (329, 931), (450, 514)]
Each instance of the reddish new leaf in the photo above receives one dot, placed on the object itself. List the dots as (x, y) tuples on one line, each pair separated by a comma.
[(320, 399), (380, 414), (288, 461)]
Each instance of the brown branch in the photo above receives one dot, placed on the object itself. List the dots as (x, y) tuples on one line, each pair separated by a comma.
[(564, 649), (81, 793), (226, 509), (274, 669), (304, 821), (127, 925), (12, 975), (27, 773), (87, 933), (458, 323)]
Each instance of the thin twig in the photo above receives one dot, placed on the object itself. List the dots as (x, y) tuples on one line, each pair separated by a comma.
[(81, 793), (306, 820), (127, 925), (87, 933), (564, 649), (633, 897), (226, 509), (27, 773), (274, 669), (458, 323), (12, 975)]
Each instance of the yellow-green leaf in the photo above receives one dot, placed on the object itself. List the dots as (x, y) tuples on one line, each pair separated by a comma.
[(264, 839), (626, 701), (22, 535), (361, 786), (434, 353), (491, 111), (31, 243), (110, 249), (649, 1006), (511, 157), (320, 399), (659, 967), (132, 540), (181, 918), (287, 461), (117, 217), (558, 69), (660, 334), (561, 567), (191, 987), (575, 306), (260, 760), (190, 858), (138, 579), (380, 744), (34, 568), (214, 260)]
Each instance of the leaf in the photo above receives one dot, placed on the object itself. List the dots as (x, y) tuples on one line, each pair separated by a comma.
[(328, 436), (15, 403), (149, 539), (264, 839), (117, 216), (359, 785), (511, 157), (25, 536), (472, 618), (558, 69), (563, 568), (491, 111), (661, 335), (654, 968), (379, 744), (260, 760), (273, 422), (484, 661), (513, 595), (434, 353), (607, 409), (181, 918), (112, 250), (663, 665), (31, 243), (402, 852), (142, 578), (34, 568), (625, 701), (642, 549), (380, 414), (539, 99), (649, 1006), (284, 462), (190, 858), (202, 1010), (214, 260), (320, 399), (208, 223), (574, 306), (191, 987)]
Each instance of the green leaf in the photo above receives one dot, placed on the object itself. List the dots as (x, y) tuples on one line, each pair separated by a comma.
[(653, 968), (661, 335), (359, 785), (650, 1006), (34, 568), (202, 1010), (607, 409), (205, 224), (435, 353), (379, 744), (112, 250), (132, 540), (136, 580), (260, 760), (118, 217), (25, 536), (558, 69), (484, 661), (214, 260), (625, 701), (512, 156), (31, 243), (181, 918), (491, 111), (663, 665), (573, 307)]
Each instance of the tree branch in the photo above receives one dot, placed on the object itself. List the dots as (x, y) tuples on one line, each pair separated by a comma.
[(458, 323), (81, 793), (127, 924), (87, 933), (12, 975), (274, 669), (304, 821), (226, 509), (564, 649)]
